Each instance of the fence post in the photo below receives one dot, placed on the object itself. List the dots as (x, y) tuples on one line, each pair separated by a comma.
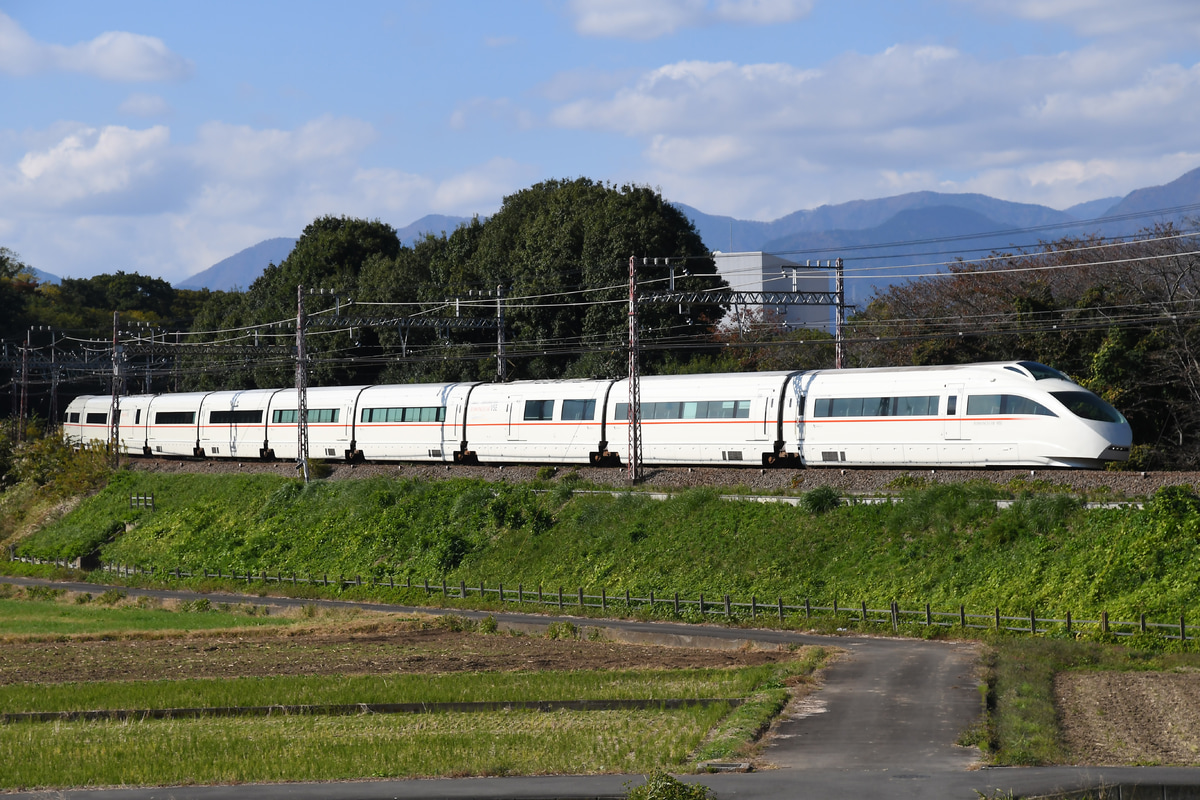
[(835, 608), (677, 604), (864, 612), (895, 617), (753, 607), (1104, 621), (520, 593), (997, 617), (1032, 622), (807, 609), (1182, 629), (462, 589), (1142, 622), (1068, 622), (962, 615), (502, 593), (427, 587), (781, 608), (651, 601), (726, 606), (702, 605), (627, 603), (560, 605), (928, 616), (539, 594), (581, 598), (603, 597)]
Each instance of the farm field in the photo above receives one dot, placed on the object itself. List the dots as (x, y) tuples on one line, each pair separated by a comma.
[(319, 657)]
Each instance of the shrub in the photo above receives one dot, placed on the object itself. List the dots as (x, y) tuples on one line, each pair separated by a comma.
[(661, 786), (821, 500)]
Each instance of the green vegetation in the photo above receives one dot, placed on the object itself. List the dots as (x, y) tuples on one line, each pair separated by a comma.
[(305, 747), (315, 748), (23, 618), (944, 545), (464, 687)]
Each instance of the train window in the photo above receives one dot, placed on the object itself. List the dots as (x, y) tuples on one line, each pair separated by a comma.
[(698, 409), (73, 416), (137, 417), (97, 419), (952, 405), (986, 404), (1088, 406), (914, 406), (579, 409), (1041, 372), (290, 415), (235, 417), (539, 409), (412, 414), (175, 418)]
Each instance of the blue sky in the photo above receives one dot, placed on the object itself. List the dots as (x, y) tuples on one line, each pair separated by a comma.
[(162, 137)]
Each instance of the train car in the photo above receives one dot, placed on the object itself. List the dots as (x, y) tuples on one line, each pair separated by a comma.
[(538, 422), (330, 423), (1002, 414), (411, 422), (174, 424), (731, 419), (132, 422), (86, 420), (234, 424), (1017, 413)]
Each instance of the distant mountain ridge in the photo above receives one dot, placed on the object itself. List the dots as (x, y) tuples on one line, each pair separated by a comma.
[(883, 233)]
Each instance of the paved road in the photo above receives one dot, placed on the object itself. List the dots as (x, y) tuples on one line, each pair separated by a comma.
[(883, 726)]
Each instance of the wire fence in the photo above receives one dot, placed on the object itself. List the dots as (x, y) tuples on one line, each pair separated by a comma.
[(719, 607)]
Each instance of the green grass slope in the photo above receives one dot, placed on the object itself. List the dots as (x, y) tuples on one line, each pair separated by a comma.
[(943, 545)]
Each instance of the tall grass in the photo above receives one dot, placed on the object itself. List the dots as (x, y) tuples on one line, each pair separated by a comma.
[(341, 748), (398, 688)]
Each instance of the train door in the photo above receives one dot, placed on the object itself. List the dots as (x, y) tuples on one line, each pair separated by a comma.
[(954, 411), (764, 429)]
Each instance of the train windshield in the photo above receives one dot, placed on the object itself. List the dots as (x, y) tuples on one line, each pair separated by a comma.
[(1088, 406), (1041, 372)]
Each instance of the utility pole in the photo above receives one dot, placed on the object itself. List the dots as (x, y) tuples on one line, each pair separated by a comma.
[(114, 408), (501, 362), (301, 388), (839, 319), (24, 389), (634, 457)]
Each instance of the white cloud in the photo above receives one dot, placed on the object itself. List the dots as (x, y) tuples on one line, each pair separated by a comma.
[(1162, 19), (650, 19), (481, 187), (145, 105), (87, 200), (906, 117), (114, 56), (89, 164)]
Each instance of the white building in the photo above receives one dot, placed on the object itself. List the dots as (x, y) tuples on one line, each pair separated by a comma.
[(763, 272)]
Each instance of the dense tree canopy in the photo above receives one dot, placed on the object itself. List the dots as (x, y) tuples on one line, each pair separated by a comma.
[(558, 251)]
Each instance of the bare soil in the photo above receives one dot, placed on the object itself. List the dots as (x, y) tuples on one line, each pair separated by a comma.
[(1130, 718), (388, 648)]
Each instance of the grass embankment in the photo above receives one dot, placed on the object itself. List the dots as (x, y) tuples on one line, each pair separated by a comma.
[(313, 747), (945, 545)]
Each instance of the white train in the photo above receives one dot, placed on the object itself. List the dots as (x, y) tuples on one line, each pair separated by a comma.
[(1018, 413)]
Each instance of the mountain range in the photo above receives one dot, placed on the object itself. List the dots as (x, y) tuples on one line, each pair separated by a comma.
[(872, 236)]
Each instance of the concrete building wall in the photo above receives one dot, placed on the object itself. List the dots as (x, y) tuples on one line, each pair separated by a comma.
[(763, 272)]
